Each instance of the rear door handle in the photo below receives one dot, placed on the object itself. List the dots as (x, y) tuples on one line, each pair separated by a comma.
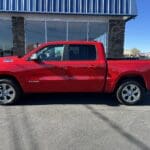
[(92, 66)]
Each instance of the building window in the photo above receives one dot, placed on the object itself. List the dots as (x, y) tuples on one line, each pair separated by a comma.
[(56, 31), (6, 39), (35, 34), (42, 31), (98, 32), (77, 31)]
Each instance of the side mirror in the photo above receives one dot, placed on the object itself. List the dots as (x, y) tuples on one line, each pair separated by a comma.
[(34, 57)]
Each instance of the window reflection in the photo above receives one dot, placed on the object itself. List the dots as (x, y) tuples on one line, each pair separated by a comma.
[(56, 31), (77, 31), (51, 53), (6, 39), (98, 32), (35, 34)]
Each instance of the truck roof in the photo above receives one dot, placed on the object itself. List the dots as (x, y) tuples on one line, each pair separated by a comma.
[(73, 42)]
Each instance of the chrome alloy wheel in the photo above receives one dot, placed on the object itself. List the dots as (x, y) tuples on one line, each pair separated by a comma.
[(131, 93), (7, 93)]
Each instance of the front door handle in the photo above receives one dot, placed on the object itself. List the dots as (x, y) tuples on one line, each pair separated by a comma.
[(65, 68)]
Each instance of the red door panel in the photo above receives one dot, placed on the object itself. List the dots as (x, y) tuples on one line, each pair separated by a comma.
[(85, 76), (45, 77)]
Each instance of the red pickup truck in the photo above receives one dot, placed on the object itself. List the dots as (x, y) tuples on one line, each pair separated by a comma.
[(74, 66)]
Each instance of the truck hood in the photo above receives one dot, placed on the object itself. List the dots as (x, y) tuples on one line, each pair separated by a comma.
[(8, 59)]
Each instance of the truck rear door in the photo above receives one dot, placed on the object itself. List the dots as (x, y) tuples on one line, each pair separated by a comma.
[(85, 71)]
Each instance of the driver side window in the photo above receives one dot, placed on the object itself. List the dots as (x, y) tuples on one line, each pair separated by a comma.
[(51, 53)]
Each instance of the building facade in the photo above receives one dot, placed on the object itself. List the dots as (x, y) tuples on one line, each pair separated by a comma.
[(24, 24)]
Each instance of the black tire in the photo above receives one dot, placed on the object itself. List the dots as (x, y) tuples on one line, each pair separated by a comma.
[(130, 92), (14, 90)]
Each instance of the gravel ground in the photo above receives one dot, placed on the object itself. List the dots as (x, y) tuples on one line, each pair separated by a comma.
[(74, 122)]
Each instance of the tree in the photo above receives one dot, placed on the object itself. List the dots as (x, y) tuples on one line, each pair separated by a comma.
[(135, 52)]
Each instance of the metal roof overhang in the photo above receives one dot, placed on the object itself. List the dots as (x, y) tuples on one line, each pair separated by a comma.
[(125, 8)]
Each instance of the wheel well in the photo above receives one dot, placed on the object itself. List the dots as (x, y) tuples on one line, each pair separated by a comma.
[(9, 77), (138, 79)]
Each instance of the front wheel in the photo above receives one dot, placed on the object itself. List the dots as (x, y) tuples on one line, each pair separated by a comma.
[(130, 92), (9, 92)]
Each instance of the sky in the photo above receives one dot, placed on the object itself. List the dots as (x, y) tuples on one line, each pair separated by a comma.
[(137, 33)]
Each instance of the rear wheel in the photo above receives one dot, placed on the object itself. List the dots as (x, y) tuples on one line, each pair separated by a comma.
[(9, 92), (130, 92)]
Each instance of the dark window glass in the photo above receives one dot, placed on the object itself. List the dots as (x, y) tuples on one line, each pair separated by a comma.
[(98, 32), (51, 53), (77, 31), (56, 31), (81, 52), (6, 38), (35, 34)]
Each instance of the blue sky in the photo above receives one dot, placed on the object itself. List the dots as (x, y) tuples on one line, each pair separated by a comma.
[(138, 30)]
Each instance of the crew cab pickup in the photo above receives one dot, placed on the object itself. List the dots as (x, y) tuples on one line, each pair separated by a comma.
[(74, 66)]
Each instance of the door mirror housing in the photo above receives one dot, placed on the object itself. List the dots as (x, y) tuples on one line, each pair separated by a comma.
[(34, 57)]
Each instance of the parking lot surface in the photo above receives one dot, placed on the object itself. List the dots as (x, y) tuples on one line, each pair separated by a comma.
[(74, 122)]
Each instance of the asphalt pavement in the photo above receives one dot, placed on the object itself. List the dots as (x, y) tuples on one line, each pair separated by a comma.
[(74, 122)]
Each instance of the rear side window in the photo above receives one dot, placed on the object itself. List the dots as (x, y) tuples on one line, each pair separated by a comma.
[(81, 52)]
